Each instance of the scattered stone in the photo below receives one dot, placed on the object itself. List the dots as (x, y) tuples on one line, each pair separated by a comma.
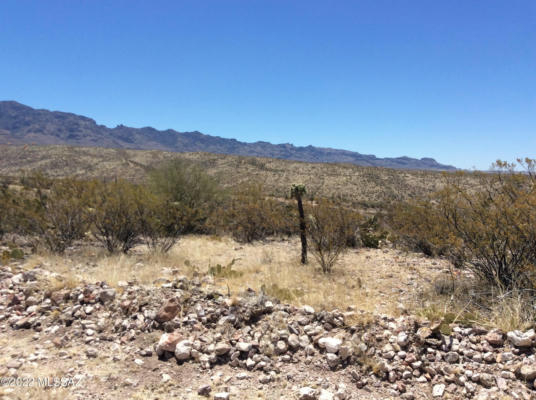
[(308, 393), (331, 344), (527, 372), (438, 390), (204, 390), (183, 350), (452, 357), (495, 338), (520, 339), (91, 352), (243, 347), (168, 342), (168, 311), (222, 348)]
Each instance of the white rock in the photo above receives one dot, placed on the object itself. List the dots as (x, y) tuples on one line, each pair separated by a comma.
[(243, 347), (221, 396), (520, 339), (293, 341), (438, 390), (528, 372), (222, 348), (325, 395), (183, 350), (331, 344), (308, 310), (308, 393), (402, 339)]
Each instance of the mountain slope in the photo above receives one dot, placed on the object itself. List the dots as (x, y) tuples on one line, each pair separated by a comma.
[(20, 124)]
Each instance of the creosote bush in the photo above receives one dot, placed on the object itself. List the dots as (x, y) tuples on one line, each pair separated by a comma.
[(115, 215), (251, 215), (54, 210), (329, 226), (192, 192), (489, 228)]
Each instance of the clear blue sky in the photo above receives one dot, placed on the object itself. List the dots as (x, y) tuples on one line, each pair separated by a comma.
[(453, 80)]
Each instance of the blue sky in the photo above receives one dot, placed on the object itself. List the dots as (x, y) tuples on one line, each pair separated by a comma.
[(453, 80)]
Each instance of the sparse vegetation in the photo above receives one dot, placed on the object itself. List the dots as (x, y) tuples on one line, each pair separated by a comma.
[(114, 215), (330, 225)]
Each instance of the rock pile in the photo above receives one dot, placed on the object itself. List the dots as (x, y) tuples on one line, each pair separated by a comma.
[(255, 333)]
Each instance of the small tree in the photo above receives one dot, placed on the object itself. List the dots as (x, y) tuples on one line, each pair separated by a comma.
[(251, 215), (297, 192), (55, 210), (159, 221), (329, 228), (115, 219), (187, 186)]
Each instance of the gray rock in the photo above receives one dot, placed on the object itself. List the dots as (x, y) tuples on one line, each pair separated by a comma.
[(520, 339), (204, 390), (293, 341), (222, 348), (527, 372), (452, 357), (487, 380)]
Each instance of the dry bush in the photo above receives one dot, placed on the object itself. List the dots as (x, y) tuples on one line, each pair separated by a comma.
[(115, 220), (160, 221), (490, 228), (469, 300), (329, 227), (495, 226), (371, 233), (56, 211), (250, 215), (419, 226), (8, 206)]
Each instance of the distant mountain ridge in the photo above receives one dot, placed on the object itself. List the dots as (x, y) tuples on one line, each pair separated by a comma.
[(21, 124)]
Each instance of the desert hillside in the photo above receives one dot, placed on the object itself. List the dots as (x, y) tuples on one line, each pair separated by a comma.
[(364, 185)]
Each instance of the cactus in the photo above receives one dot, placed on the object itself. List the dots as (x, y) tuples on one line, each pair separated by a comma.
[(296, 192)]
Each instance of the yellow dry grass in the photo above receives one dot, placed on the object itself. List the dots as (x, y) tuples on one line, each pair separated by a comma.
[(365, 279)]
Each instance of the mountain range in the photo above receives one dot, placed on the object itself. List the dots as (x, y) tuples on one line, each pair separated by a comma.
[(21, 124)]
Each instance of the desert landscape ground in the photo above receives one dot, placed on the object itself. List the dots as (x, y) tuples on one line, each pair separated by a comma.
[(267, 200), (225, 315)]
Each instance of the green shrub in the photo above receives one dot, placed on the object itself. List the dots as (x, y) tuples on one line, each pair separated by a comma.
[(371, 233), (193, 193)]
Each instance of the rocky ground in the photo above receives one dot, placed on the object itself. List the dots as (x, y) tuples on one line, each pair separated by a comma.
[(181, 338)]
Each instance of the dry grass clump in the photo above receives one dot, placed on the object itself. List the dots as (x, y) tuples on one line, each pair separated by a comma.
[(464, 299)]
